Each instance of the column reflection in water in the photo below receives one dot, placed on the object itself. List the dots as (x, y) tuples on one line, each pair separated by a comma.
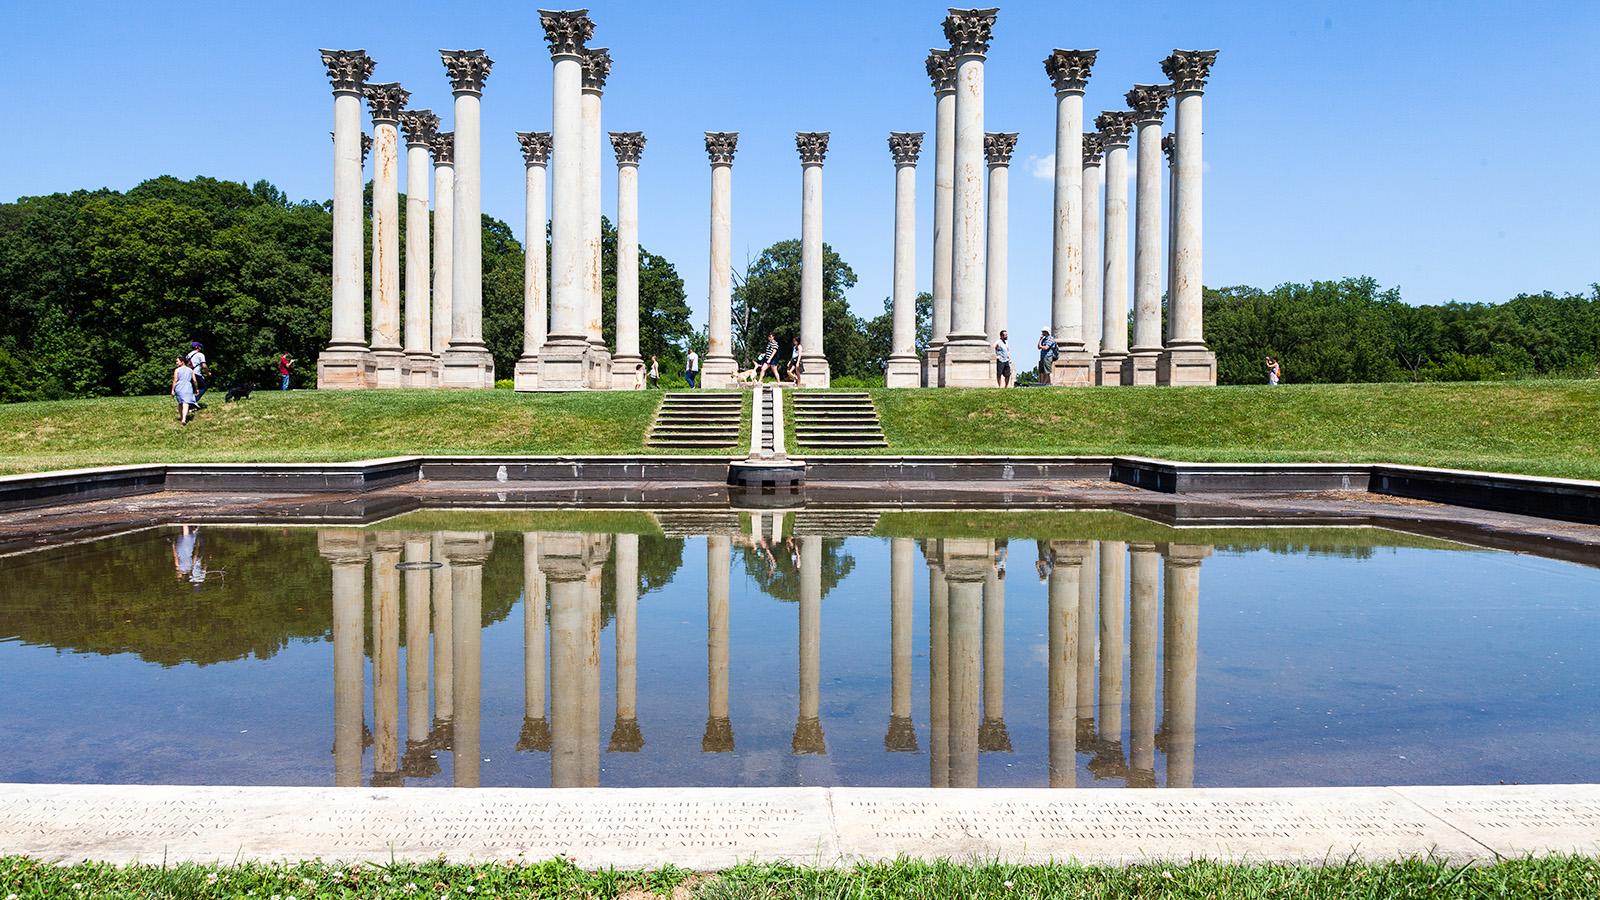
[(625, 735), (1145, 611), (467, 552), (444, 691), (992, 735), (719, 728), (808, 736), (418, 761), (347, 551), (570, 563), (938, 666), (966, 562), (1088, 594), (1108, 762), (386, 659), (535, 736), (902, 734), (1066, 575), (1183, 642), (591, 673)]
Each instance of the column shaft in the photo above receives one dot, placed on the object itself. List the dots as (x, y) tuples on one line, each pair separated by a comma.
[(816, 363), (1066, 261), (466, 288), (418, 327), (466, 598), (1062, 666), (902, 735), (444, 199), (535, 726), (808, 734), (718, 368), (349, 287), (938, 676), (386, 251), (1091, 257), (944, 209), (1145, 655), (966, 675), (1183, 629), (444, 691), (996, 288), (419, 603), (628, 267), (903, 369), (385, 664), (1114, 323), (992, 734), (349, 677), (1147, 246), (719, 728), (564, 359), (625, 737), (1186, 311), (968, 358), (568, 628)]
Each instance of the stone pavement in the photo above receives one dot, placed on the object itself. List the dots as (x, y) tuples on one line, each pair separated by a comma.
[(710, 828)]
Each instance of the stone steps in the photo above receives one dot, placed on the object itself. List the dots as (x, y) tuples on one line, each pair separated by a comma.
[(825, 523), (697, 420), (837, 420), (694, 523)]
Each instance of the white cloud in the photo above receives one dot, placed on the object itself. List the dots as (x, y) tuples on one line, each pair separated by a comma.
[(1042, 167)]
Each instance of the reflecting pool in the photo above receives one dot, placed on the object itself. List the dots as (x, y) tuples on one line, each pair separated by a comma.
[(720, 648)]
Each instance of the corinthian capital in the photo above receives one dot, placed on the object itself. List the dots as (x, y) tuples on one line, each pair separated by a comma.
[(1169, 146), (942, 71), (366, 147), (1149, 102), (967, 30), (566, 30), (998, 146), (720, 146), (385, 100), (1189, 69), (419, 125), (535, 147), (1114, 128), (1069, 69), (813, 146), (443, 146), (596, 68), (1092, 148), (905, 146), (347, 69), (627, 146), (468, 69)]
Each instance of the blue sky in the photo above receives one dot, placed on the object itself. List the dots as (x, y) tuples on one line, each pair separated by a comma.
[(1447, 148)]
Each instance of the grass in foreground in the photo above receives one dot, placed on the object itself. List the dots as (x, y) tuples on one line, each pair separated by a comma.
[(1552, 877)]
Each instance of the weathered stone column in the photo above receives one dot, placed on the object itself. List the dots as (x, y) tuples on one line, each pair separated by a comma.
[(1069, 72), (385, 102), (1183, 642), (1187, 360), (902, 734), (444, 693), (468, 551), (535, 735), (966, 562), (625, 735), (386, 660), (444, 201), (572, 564), (1091, 243), (419, 553), (968, 358), (813, 146), (347, 551), (938, 666), (942, 72), (1066, 572), (1112, 606), (596, 68), (904, 370), (1088, 643), (627, 146), (1149, 103), (718, 736), (808, 736), (419, 125), (997, 149), (1144, 610), (992, 734), (346, 363), (1114, 130), (1169, 146), (535, 291), (719, 368), (467, 364), (564, 359)]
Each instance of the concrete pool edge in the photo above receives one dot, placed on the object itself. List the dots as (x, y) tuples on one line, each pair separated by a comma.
[(712, 828)]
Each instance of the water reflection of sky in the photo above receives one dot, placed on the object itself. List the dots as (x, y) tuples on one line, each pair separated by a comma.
[(1182, 657)]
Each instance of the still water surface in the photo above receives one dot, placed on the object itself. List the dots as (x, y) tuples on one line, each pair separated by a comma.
[(1036, 649)]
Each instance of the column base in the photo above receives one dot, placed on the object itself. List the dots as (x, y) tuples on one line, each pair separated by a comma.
[(421, 371), (1108, 369), (1073, 369), (564, 365), (388, 368), (1181, 366), (344, 369), (525, 374), (931, 362), (599, 367), (627, 371), (904, 372), (968, 362), (1140, 370), (466, 367), (719, 372), (816, 374)]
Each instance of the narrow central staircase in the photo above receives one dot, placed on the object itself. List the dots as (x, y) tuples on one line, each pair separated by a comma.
[(836, 420), (697, 420)]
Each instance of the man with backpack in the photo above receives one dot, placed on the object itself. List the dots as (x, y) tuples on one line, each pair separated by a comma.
[(1047, 355), (197, 362)]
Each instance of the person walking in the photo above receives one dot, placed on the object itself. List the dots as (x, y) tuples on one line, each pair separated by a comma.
[(183, 388), (655, 372), (1274, 371), (796, 365), (284, 362), (197, 363), (1002, 359), (769, 360), (691, 368), (1047, 355)]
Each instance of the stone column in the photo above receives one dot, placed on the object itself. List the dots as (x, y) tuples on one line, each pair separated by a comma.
[(1066, 572), (625, 735), (1108, 754), (904, 370), (966, 562), (1091, 243), (968, 358), (386, 660), (942, 72), (1183, 639), (467, 364), (992, 734), (813, 146), (997, 149), (1144, 611), (627, 146), (718, 737), (1114, 130), (571, 564), (468, 551), (596, 68), (385, 102), (808, 736), (419, 125), (1088, 645), (346, 363), (535, 293), (347, 552), (1187, 360), (1069, 72), (1149, 103), (1169, 146), (444, 201), (419, 602), (564, 359), (938, 666), (444, 693), (719, 368), (902, 734), (535, 735)]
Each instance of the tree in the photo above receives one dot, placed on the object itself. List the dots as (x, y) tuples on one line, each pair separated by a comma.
[(880, 331), (771, 288)]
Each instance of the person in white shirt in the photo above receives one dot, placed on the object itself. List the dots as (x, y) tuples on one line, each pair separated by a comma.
[(691, 369), (1002, 358)]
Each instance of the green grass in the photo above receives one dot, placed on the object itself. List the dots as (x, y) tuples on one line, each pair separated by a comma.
[(1553, 877)]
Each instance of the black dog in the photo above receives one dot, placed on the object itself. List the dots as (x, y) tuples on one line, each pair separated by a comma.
[(240, 391)]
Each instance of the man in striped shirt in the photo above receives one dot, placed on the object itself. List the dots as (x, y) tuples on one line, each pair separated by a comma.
[(769, 360)]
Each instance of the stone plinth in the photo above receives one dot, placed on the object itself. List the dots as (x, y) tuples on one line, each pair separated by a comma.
[(345, 370), (1139, 369), (1074, 368), (1186, 366), (967, 363)]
